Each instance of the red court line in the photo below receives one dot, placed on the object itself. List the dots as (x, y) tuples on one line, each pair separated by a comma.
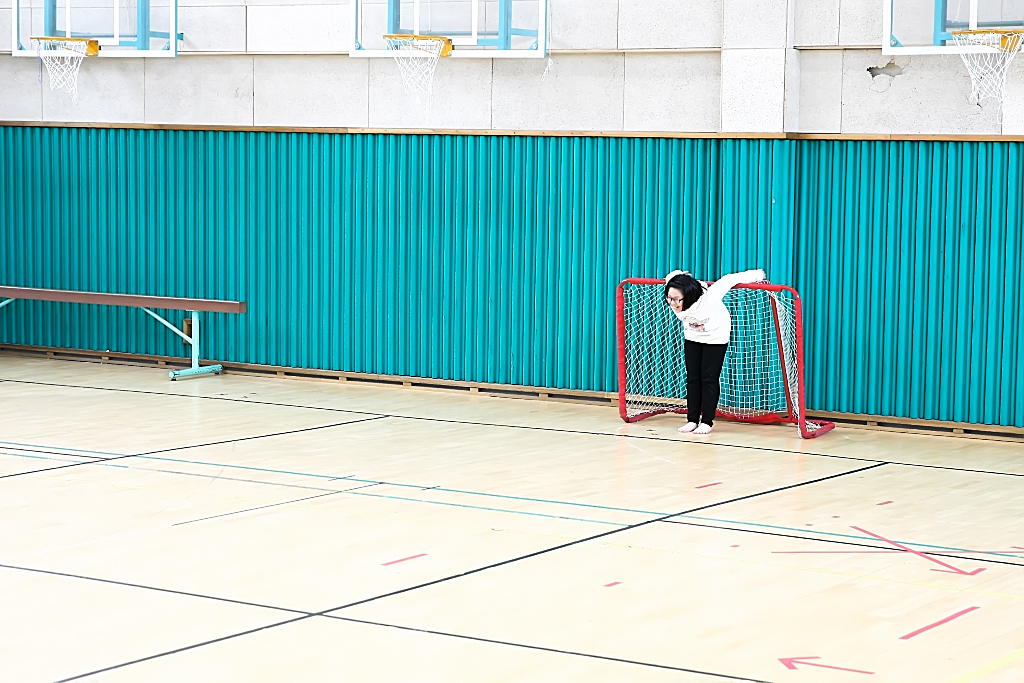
[(411, 557), (613, 583), (948, 567), (707, 485), (940, 622)]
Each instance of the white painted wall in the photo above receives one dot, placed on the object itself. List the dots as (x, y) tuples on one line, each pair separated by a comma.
[(616, 65)]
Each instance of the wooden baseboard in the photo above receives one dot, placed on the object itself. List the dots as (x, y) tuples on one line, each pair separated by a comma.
[(918, 426), (851, 420)]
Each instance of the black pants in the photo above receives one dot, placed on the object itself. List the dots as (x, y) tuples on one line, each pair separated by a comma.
[(703, 368)]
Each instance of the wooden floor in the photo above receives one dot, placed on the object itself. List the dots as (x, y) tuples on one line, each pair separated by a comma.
[(244, 529)]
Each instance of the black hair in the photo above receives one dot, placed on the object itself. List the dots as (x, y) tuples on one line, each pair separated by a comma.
[(691, 288)]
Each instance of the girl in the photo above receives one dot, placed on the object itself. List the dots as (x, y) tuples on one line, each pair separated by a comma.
[(706, 328)]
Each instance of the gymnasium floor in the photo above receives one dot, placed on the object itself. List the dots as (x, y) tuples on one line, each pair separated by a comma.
[(245, 529)]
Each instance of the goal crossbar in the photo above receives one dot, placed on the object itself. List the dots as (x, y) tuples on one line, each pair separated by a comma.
[(762, 379)]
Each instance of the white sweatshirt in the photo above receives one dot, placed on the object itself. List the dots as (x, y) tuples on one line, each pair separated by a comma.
[(708, 320)]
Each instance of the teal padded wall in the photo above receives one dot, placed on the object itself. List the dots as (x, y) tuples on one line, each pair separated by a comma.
[(495, 258), (911, 260)]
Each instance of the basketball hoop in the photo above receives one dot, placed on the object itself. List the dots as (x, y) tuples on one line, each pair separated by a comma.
[(988, 65), (63, 58), (416, 57)]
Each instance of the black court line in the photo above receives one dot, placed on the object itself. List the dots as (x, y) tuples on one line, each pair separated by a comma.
[(687, 442), (273, 505), (206, 398), (547, 649), (226, 478), (972, 558), (44, 450), (546, 429), (362, 621), (186, 648), (440, 420), (304, 614), (264, 436), (180, 448), (494, 565), (172, 591), (602, 535)]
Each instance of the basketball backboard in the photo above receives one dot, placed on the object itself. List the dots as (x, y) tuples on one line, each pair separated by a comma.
[(477, 28), (123, 28), (919, 27)]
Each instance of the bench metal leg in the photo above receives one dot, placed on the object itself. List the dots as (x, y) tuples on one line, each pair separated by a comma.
[(4, 303), (196, 369)]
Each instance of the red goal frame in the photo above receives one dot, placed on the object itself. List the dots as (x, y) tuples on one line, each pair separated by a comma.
[(767, 418)]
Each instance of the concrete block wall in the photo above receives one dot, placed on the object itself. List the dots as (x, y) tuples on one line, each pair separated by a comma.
[(746, 66)]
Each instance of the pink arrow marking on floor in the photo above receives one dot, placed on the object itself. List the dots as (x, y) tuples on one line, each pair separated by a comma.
[(411, 557), (949, 569), (791, 662), (940, 622), (885, 502), (707, 485), (613, 583)]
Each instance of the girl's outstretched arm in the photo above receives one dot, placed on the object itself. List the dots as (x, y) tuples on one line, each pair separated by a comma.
[(727, 282)]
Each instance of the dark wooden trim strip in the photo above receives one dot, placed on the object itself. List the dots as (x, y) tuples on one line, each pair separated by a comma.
[(889, 423), (75, 297), (872, 422), (528, 133)]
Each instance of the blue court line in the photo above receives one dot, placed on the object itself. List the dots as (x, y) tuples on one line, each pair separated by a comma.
[(65, 459), (554, 502), (523, 498), (58, 448), (243, 467), (477, 507), (411, 486), (559, 502), (533, 500), (833, 533), (44, 457), (376, 495)]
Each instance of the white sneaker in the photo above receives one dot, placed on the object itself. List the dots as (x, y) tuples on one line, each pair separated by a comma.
[(703, 429), (688, 427)]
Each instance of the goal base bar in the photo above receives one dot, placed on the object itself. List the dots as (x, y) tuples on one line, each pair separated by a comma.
[(763, 376), (822, 426)]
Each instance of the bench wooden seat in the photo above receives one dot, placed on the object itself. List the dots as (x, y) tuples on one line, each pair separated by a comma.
[(146, 303)]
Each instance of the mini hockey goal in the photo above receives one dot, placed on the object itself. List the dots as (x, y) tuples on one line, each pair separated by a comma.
[(763, 377)]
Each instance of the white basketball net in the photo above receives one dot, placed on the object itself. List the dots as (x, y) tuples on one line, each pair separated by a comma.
[(417, 59), (760, 380), (63, 59), (988, 67)]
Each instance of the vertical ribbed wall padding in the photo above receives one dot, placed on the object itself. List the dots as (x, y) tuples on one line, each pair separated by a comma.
[(910, 259), (495, 258)]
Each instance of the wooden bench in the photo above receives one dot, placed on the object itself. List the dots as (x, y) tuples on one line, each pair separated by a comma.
[(190, 333)]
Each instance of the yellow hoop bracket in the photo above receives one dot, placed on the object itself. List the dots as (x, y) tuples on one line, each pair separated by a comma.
[(1009, 38), (92, 47), (446, 48)]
